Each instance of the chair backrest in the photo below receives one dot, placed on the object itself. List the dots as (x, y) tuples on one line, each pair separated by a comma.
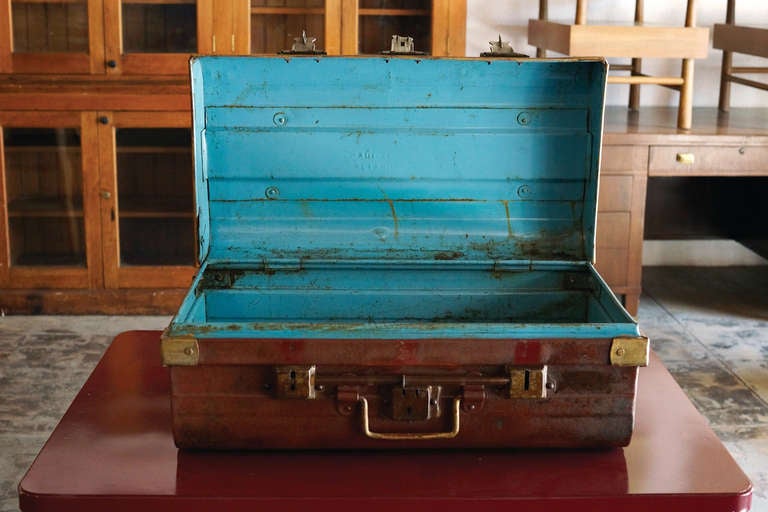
[(581, 11)]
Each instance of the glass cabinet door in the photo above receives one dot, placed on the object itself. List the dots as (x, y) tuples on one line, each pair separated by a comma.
[(276, 23), (48, 36), (150, 36), (46, 228), (381, 19), (148, 192)]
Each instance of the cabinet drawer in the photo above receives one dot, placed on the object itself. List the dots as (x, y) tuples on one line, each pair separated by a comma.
[(624, 159), (613, 230), (612, 265), (708, 161), (615, 193)]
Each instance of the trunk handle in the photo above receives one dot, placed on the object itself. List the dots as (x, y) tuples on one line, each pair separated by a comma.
[(412, 436)]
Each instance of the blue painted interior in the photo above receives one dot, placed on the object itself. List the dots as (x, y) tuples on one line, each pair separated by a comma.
[(398, 197), (392, 159)]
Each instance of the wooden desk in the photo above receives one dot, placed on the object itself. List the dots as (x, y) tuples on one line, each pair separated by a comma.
[(646, 143), (113, 450)]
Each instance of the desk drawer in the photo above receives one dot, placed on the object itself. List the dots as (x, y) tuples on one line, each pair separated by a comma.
[(615, 193), (613, 230), (708, 161), (624, 159)]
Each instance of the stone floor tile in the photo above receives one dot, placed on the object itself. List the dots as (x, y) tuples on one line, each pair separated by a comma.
[(752, 455), (16, 454), (719, 394), (754, 374), (651, 311), (729, 338), (672, 343), (691, 291)]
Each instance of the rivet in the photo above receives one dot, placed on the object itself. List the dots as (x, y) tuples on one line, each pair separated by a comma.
[(348, 408), (472, 407), (620, 351), (523, 191), (272, 192), (279, 119), (189, 351), (523, 118), (742, 150)]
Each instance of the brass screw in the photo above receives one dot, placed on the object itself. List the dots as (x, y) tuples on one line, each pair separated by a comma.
[(189, 351), (620, 351)]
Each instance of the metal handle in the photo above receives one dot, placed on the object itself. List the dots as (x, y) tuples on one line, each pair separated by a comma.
[(412, 436)]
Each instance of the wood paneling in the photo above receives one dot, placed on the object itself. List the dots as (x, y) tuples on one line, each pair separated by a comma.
[(74, 302), (615, 193)]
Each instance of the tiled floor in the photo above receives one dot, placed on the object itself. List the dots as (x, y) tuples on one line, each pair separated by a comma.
[(710, 326)]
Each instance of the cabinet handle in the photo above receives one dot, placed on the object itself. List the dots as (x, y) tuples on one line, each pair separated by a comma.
[(685, 158)]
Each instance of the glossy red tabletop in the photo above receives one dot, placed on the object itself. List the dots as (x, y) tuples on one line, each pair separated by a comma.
[(113, 450)]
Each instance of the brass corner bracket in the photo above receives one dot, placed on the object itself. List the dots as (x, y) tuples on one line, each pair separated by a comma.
[(180, 350), (630, 351)]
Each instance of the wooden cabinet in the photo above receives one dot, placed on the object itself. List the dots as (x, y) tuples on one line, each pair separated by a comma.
[(97, 36), (94, 201), (144, 37), (49, 229), (96, 173), (620, 215), (146, 199)]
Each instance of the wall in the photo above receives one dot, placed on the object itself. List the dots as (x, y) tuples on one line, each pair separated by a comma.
[(486, 19)]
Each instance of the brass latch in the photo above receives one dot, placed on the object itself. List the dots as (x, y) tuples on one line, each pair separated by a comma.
[(630, 351), (528, 382), (295, 381), (415, 403)]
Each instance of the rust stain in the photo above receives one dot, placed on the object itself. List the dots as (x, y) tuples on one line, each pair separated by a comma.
[(395, 221), (448, 256), (306, 210), (509, 220)]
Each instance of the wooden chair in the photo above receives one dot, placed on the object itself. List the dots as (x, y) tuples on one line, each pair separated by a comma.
[(732, 38), (636, 41)]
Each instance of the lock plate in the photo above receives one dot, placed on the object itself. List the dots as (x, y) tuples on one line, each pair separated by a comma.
[(414, 403), (295, 381), (528, 382)]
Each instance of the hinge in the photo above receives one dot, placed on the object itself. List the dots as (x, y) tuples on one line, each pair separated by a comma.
[(180, 350), (219, 279), (579, 281), (630, 351)]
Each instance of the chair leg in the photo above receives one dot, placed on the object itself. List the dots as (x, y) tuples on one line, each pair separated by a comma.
[(634, 89), (724, 103), (541, 53), (581, 12), (685, 107)]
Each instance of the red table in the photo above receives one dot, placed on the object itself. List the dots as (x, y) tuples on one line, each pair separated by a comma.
[(113, 450)]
